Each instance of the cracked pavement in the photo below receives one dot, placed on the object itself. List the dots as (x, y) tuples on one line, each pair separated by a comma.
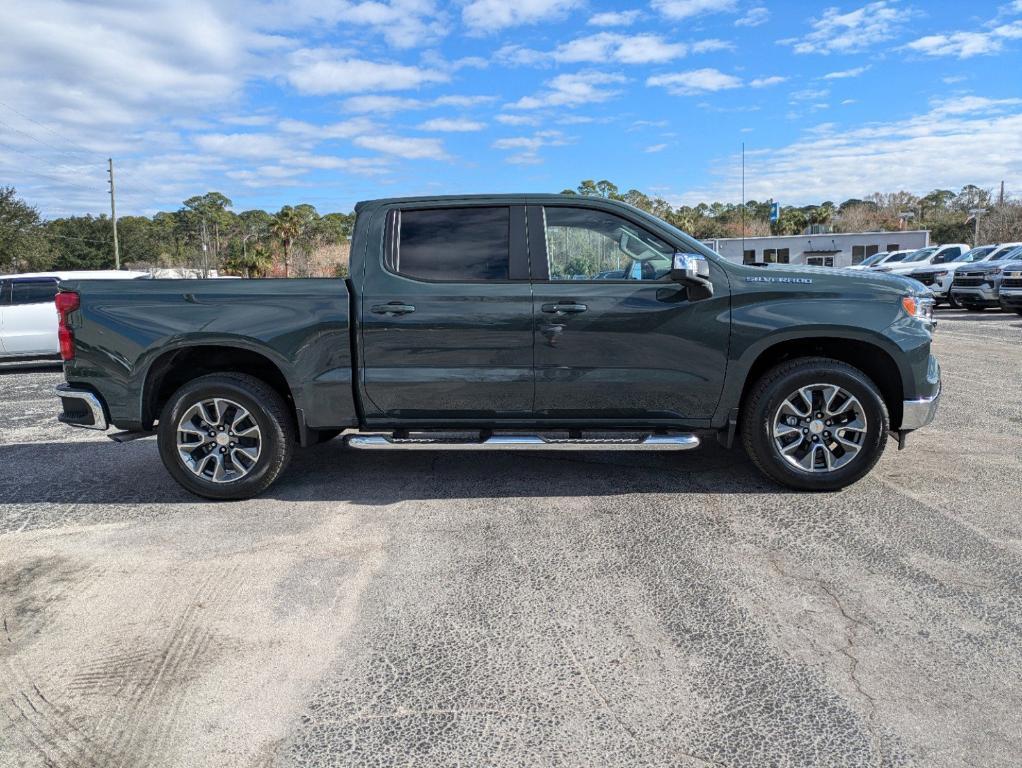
[(525, 610)]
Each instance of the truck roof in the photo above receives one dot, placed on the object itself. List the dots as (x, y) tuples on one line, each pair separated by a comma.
[(496, 198)]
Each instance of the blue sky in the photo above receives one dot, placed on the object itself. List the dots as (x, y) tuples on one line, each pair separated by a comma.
[(290, 101)]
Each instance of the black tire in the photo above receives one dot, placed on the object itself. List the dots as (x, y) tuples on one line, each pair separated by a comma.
[(953, 302), (770, 391), (1018, 311), (270, 413)]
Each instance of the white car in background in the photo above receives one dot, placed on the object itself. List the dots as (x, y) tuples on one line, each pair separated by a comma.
[(938, 277), (877, 259), (933, 254), (28, 317)]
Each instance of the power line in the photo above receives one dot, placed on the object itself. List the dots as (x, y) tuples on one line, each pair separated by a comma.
[(25, 152), (57, 179), (47, 128), (40, 233)]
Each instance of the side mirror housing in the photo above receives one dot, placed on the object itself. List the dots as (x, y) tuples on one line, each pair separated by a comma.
[(693, 271)]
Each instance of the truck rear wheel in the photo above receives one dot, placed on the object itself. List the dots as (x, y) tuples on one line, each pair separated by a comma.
[(814, 424), (225, 436)]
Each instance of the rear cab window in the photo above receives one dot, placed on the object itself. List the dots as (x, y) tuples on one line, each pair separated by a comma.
[(466, 244), (33, 291)]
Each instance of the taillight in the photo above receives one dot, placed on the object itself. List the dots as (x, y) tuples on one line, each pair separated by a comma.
[(67, 302)]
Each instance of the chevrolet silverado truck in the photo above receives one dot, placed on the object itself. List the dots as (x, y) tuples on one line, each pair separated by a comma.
[(938, 278), (511, 322), (977, 286), (1011, 286)]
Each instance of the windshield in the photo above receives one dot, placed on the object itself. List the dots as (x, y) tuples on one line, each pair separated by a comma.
[(895, 257), (1008, 255), (976, 254), (873, 259), (920, 255)]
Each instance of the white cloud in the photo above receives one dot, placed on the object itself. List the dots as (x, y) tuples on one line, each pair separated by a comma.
[(526, 148), (257, 145), (452, 125), (325, 71), (626, 49), (655, 148), (683, 9), (382, 104), (572, 90), (342, 130), (851, 31), (517, 119), (493, 15), (708, 46), (754, 17), (846, 73), (403, 146), (965, 45), (938, 147), (766, 82), (618, 18), (695, 81)]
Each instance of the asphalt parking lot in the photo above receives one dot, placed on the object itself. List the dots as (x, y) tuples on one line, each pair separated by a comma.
[(527, 609)]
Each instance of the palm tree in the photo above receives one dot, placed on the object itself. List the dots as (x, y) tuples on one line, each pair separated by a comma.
[(287, 226)]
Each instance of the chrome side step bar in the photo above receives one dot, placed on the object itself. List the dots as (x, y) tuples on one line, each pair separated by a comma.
[(525, 443)]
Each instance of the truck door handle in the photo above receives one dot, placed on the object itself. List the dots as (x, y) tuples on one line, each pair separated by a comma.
[(564, 308), (393, 308)]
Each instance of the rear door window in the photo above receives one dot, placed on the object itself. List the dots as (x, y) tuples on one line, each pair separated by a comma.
[(454, 244), (33, 291)]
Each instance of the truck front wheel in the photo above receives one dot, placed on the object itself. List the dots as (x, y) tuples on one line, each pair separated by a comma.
[(225, 436), (814, 424)]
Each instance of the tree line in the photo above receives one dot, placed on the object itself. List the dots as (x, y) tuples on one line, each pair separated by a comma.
[(947, 214), (205, 234)]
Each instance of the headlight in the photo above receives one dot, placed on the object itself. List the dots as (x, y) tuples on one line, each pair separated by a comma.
[(994, 271), (940, 274), (918, 307)]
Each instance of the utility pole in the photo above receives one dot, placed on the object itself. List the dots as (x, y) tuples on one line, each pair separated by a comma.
[(1000, 201), (976, 213), (113, 213)]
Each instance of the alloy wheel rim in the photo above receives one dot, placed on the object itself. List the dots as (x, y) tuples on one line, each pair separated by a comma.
[(218, 440), (819, 428)]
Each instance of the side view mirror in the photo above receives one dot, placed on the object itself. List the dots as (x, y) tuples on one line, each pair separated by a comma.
[(693, 271)]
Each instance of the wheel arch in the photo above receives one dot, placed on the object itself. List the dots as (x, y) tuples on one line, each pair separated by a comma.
[(869, 356), (175, 367)]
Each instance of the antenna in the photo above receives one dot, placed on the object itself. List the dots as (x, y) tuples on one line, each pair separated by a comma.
[(743, 201)]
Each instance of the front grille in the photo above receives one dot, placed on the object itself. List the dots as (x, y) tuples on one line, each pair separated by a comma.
[(926, 278), (1011, 282), (971, 280)]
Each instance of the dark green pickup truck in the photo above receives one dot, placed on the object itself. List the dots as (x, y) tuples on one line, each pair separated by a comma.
[(526, 322)]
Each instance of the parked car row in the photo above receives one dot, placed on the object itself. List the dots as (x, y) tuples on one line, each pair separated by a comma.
[(976, 279)]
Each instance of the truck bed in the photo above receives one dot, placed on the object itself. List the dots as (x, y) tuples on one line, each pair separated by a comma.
[(132, 334)]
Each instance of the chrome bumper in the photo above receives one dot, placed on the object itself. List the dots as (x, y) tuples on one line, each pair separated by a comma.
[(919, 413), (80, 408)]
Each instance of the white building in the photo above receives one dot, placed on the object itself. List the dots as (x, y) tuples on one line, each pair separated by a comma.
[(833, 249)]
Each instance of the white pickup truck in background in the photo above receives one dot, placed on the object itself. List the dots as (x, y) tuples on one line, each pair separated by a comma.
[(28, 317)]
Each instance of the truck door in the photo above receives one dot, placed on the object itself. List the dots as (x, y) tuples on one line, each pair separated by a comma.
[(446, 316), (615, 338)]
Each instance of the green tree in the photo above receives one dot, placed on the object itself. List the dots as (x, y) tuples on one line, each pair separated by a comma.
[(23, 244)]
